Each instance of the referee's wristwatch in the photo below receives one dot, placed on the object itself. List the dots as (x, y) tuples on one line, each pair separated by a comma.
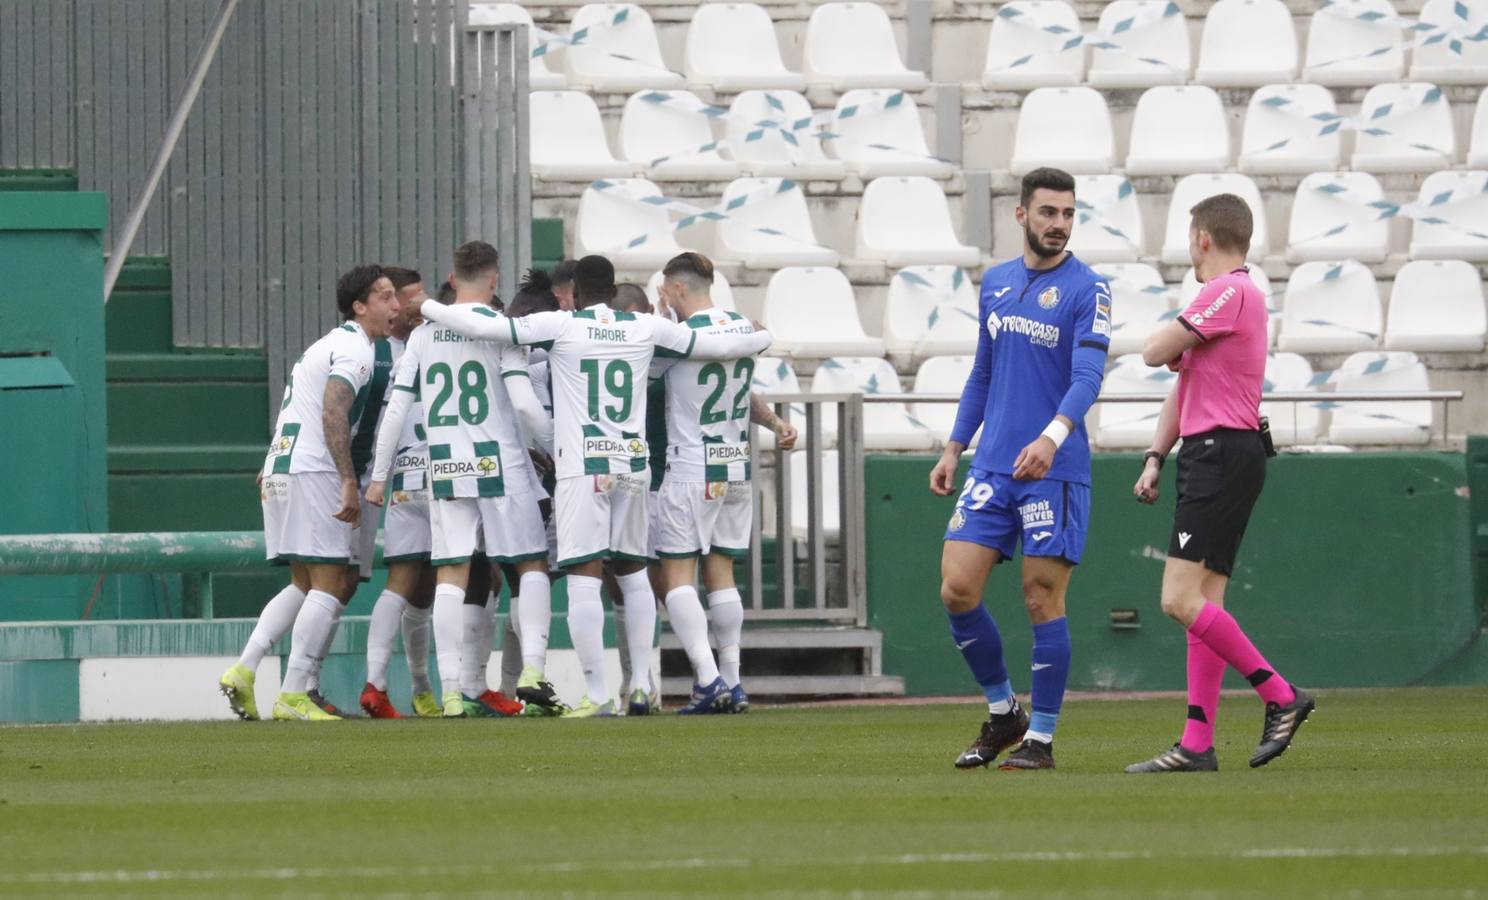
[(1153, 454)]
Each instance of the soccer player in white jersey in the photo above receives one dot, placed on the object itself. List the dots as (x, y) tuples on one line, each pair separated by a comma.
[(311, 503), (481, 479), (598, 360)]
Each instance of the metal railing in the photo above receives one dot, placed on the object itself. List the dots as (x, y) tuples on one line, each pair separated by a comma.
[(496, 155)]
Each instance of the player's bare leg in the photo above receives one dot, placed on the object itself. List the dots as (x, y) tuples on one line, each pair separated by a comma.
[(964, 568), (1045, 584)]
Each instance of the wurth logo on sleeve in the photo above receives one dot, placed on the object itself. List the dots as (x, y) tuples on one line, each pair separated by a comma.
[(1216, 306)]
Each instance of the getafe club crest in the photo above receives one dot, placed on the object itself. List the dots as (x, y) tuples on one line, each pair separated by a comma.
[(1049, 298), (958, 519)]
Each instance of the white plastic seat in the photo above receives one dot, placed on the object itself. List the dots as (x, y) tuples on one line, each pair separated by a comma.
[(1433, 58), (754, 133), (732, 47), (1153, 40), (1381, 422), (1412, 125), (886, 426), (722, 293), (612, 217), (769, 227), (621, 56), (668, 134), (1068, 128), (1247, 43), (1353, 43), (906, 221), (831, 498), (1179, 130), (942, 375), (878, 132), (1331, 307), (1108, 220), (1453, 218), (539, 76), (1189, 191), (1291, 423), (1022, 53), (1436, 306), (812, 313), (1281, 137), (773, 375), (1332, 219), (1188, 289), (1477, 148), (930, 311), (1140, 304), (568, 140), (1132, 425), (852, 45)]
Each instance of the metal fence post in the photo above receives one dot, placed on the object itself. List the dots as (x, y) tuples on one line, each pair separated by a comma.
[(497, 164), (852, 518)]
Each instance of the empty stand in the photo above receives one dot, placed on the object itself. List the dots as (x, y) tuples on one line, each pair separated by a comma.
[(669, 134), (568, 139), (767, 138), (1437, 306), (1026, 46), (1151, 38), (1108, 221), (1287, 131), (1477, 148), (1441, 55), (1354, 43), (1066, 127), (1179, 130), (1335, 215), (539, 76), (1291, 423), (930, 311), (1331, 307), (941, 375), (878, 132), (776, 376), (613, 221), (1387, 422), (812, 313), (1247, 43), (1140, 304), (1189, 191), (1452, 217), (1404, 128), (618, 52), (852, 45), (1132, 425), (733, 47), (768, 226), (906, 221), (886, 426)]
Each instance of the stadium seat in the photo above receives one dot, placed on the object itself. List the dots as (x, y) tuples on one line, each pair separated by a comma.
[(1247, 43), (568, 140), (1026, 46), (776, 376), (1140, 304), (1152, 41), (1453, 218), (1066, 127), (1381, 422), (812, 313), (539, 76), (754, 133), (1291, 423), (906, 221), (1131, 425), (1331, 307), (1189, 190), (1405, 128), (1179, 130), (1436, 306), (1108, 221), (886, 426), (1281, 137), (878, 132), (670, 135), (768, 226), (619, 51), (1189, 289), (613, 217), (930, 311), (852, 45), (1332, 218), (1354, 43), (1433, 57), (1477, 149), (722, 293), (941, 375), (733, 47), (831, 499)]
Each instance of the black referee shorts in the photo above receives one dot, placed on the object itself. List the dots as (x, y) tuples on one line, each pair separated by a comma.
[(1220, 474)]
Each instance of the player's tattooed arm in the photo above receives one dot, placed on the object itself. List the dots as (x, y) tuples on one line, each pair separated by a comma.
[(335, 420), (761, 414)]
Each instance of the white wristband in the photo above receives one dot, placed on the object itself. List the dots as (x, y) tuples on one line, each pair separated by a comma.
[(1056, 431)]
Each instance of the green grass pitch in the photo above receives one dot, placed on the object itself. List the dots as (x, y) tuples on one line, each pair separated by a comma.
[(1385, 794)]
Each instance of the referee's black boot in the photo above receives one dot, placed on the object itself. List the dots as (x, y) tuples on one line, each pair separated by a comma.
[(998, 733), (1281, 726), (1178, 759)]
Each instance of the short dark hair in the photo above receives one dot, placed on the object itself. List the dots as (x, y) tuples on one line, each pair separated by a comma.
[(474, 259), (535, 295), (1048, 178), (692, 268), (563, 273), (402, 278), (594, 281), (446, 294), (356, 286), (631, 298), (1228, 220)]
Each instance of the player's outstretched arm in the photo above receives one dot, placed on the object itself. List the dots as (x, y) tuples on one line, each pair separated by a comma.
[(536, 424), (335, 420), (681, 341), (388, 433), (473, 320)]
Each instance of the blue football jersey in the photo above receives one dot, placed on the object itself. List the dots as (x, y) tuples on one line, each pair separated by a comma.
[(1042, 331)]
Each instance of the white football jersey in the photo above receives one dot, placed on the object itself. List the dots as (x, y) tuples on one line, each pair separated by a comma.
[(299, 437), (707, 413), (475, 445), (411, 462)]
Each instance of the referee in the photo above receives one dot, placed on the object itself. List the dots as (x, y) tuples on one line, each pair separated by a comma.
[(1218, 348)]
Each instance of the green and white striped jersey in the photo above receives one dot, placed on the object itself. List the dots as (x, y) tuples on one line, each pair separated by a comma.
[(299, 435), (707, 415), (475, 447)]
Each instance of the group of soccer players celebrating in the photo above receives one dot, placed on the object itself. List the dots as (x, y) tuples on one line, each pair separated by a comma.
[(575, 434)]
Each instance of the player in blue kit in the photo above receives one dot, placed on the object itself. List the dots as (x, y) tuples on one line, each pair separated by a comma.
[(1041, 351)]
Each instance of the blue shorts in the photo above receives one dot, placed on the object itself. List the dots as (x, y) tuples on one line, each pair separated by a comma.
[(1050, 517)]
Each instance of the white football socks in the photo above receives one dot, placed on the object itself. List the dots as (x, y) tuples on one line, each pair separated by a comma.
[(274, 622), (488, 639), (690, 624), (472, 654), (640, 626), (535, 615), (511, 651), (312, 628), (448, 599), (586, 628), (416, 647), (726, 615), (382, 633), (324, 650), (621, 643)]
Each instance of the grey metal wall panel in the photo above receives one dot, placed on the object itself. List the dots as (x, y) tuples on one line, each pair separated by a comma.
[(10, 115)]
